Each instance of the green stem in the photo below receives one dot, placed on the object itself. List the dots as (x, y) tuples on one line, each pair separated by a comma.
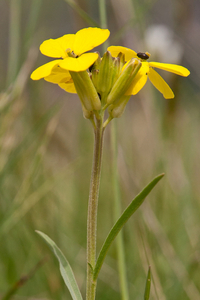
[(117, 213), (103, 19), (92, 209)]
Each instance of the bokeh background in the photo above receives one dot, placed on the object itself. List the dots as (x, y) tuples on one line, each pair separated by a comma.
[(46, 153)]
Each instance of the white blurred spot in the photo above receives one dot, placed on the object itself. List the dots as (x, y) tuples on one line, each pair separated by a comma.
[(161, 43)]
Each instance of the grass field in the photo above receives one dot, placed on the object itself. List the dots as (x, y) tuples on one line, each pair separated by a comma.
[(46, 151)]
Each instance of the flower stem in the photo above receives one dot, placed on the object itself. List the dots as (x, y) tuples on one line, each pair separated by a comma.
[(92, 209)]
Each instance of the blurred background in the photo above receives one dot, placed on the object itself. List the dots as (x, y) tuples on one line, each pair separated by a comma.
[(46, 151)]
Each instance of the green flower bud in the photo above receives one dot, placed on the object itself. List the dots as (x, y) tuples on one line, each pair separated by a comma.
[(96, 64), (116, 110), (95, 78), (124, 81), (94, 69), (105, 74), (116, 70), (86, 90), (119, 62), (121, 57)]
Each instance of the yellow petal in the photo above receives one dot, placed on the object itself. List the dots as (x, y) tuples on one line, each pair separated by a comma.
[(57, 47), (68, 87), (115, 50), (44, 70), (160, 84), (58, 75), (80, 63), (139, 80), (176, 69), (89, 38)]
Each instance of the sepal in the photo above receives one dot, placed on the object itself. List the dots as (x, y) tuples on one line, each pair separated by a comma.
[(86, 90)]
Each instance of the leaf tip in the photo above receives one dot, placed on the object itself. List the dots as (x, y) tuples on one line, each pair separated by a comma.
[(38, 232)]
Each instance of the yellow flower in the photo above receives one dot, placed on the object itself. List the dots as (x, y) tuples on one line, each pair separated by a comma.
[(147, 71), (70, 49)]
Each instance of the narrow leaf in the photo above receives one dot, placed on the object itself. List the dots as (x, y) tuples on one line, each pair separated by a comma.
[(65, 269), (82, 13), (135, 204), (148, 285)]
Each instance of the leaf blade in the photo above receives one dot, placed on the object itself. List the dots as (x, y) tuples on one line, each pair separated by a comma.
[(148, 285), (133, 206), (65, 268)]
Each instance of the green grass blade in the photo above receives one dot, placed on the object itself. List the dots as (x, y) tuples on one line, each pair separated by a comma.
[(82, 13), (65, 269), (135, 204), (29, 139), (148, 285), (14, 40), (120, 247)]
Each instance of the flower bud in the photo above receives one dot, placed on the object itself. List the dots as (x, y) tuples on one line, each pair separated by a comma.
[(116, 70), (95, 78), (94, 69), (117, 109), (96, 64), (105, 74), (86, 90), (118, 62), (121, 57), (124, 81)]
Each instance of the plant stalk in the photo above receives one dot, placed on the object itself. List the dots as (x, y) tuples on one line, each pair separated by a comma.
[(92, 209)]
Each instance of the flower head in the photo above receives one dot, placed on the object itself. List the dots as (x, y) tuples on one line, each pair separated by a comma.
[(70, 53), (147, 71)]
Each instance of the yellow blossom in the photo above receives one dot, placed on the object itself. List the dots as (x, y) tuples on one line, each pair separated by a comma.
[(70, 50), (147, 71)]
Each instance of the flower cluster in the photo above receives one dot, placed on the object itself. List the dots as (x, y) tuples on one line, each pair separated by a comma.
[(101, 83)]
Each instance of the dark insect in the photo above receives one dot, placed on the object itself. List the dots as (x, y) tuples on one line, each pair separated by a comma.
[(143, 55)]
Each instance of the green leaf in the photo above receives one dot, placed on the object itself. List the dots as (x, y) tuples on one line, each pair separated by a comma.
[(135, 204), (65, 269), (148, 285)]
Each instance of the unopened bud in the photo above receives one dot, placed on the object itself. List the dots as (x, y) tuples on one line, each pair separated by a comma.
[(119, 62), (96, 64), (116, 70), (106, 74), (95, 78), (117, 109), (121, 57), (124, 81)]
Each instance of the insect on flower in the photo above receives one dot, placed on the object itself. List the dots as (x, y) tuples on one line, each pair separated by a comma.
[(143, 55), (147, 71)]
